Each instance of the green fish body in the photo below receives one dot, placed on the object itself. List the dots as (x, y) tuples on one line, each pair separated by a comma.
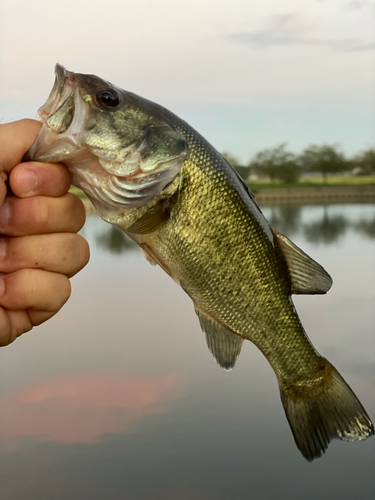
[(189, 211)]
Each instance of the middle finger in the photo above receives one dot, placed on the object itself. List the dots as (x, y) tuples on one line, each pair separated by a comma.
[(41, 215), (64, 253)]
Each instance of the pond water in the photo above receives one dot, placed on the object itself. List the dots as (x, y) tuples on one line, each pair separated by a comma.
[(119, 398)]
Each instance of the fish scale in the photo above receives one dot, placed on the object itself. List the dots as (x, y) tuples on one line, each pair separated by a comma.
[(151, 174), (236, 255)]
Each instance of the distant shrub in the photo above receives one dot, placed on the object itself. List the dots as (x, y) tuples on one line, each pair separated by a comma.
[(277, 163), (323, 159)]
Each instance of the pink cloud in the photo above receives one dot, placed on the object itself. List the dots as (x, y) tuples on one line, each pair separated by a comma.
[(80, 408)]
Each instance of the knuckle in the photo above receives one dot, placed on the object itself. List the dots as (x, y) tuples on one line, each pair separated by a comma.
[(36, 289), (84, 250), (79, 210), (17, 287), (65, 291), (42, 211), (59, 292), (79, 253), (76, 210)]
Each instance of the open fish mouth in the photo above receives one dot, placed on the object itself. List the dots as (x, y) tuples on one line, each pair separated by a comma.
[(63, 115), (64, 86)]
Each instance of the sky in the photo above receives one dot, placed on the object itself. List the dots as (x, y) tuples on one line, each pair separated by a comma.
[(247, 74)]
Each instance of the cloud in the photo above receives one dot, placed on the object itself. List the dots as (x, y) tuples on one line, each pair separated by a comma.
[(293, 29), (358, 5), (80, 408)]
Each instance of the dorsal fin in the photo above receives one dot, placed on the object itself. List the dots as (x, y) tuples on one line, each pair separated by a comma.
[(306, 275), (224, 345)]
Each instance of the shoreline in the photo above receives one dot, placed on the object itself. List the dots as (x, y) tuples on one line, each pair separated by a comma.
[(319, 194), (300, 196)]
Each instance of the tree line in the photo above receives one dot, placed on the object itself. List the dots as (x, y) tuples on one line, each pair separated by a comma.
[(281, 164)]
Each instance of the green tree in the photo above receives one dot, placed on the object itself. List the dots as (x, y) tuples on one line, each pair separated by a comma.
[(323, 159), (235, 162), (277, 163), (365, 162)]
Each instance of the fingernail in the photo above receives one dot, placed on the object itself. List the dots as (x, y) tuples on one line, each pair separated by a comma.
[(2, 287), (27, 181), (4, 214), (3, 249)]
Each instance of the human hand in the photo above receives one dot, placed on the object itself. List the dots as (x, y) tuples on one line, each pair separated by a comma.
[(39, 247)]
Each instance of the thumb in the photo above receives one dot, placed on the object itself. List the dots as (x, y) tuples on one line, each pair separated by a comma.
[(15, 139)]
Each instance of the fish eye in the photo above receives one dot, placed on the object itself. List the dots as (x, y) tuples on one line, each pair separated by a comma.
[(108, 97)]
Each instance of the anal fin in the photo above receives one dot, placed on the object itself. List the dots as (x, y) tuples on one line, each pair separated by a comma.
[(224, 344)]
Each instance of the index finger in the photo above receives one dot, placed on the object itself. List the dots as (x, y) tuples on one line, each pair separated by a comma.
[(16, 139), (39, 179)]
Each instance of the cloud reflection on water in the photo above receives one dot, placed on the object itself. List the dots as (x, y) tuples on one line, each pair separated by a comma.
[(99, 433), (80, 408)]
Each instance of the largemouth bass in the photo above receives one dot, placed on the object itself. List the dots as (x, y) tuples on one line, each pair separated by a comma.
[(152, 175)]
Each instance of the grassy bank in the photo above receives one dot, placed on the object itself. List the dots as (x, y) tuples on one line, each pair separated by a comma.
[(344, 180)]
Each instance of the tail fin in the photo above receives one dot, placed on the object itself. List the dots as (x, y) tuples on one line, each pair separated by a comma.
[(323, 410)]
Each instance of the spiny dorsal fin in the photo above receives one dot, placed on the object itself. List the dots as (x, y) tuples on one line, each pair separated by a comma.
[(154, 217), (307, 276), (224, 345)]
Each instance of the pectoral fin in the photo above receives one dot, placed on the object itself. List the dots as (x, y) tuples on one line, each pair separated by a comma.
[(150, 221), (307, 276), (155, 217), (224, 345)]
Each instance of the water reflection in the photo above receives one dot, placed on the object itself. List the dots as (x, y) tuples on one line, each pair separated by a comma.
[(115, 241), (366, 227), (327, 230), (321, 224), (118, 396), (286, 219), (327, 226)]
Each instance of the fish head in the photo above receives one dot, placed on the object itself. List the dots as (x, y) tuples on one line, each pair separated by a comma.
[(121, 149)]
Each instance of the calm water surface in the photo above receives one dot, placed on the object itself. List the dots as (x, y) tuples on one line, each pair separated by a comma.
[(119, 398)]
